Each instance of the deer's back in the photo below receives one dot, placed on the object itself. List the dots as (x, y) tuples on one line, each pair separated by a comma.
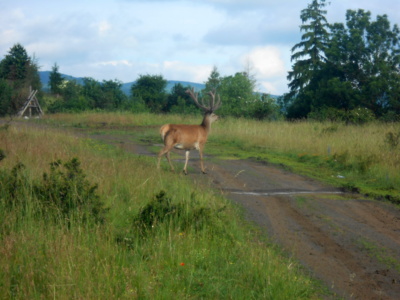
[(187, 135)]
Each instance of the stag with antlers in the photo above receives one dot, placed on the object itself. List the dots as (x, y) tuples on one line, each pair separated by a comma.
[(190, 137)]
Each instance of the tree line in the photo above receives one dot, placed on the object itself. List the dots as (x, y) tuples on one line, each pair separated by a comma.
[(344, 71), (341, 72), (147, 93)]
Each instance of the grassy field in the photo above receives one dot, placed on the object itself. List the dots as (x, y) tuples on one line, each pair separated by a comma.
[(81, 219), (362, 158), (85, 220)]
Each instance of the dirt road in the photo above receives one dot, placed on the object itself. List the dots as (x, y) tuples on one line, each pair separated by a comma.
[(336, 236), (349, 243)]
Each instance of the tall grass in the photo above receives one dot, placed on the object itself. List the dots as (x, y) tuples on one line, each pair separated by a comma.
[(120, 119), (360, 157), (210, 254), (367, 155)]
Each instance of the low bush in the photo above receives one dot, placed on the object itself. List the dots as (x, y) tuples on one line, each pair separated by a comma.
[(63, 192), (357, 116), (162, 211)]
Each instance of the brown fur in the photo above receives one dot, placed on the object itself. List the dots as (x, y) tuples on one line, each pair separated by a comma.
[(186, 137)]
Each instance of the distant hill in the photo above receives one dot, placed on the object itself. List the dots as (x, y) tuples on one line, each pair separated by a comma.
[(45, 78), (126, 87)]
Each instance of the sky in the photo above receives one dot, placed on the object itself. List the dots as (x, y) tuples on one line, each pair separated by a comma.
[(178, 39)]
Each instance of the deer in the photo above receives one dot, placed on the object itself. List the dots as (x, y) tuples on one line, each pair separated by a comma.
[(190, 137)]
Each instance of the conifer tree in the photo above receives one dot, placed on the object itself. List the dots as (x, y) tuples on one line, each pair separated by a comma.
[(309, 54), (56, 80)]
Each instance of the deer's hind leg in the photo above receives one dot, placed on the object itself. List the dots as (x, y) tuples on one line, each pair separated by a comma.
[(165, 151)]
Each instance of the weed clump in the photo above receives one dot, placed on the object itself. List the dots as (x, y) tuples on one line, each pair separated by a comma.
[(159, 210), (392, 140), (2, 154), (13, 186), (162, 213), (63, 192), (179, 215)]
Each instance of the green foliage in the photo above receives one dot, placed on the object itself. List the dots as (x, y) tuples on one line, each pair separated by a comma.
[(151, 90), (13, 187), (236, 93), (357, 116), (65, 190), (360, 115), (56, 80), (136, 105), (214, 80), (179, 101), (262, 109), (184, 106), (111, 95), (15, 63), (63, 193), (6, 95), (328, 114), (91, 95), (91, 90), (18, 72), (179, 216), (346, 67), (309, 54)]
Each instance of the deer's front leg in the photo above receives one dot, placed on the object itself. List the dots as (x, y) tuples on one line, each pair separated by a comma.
[(186, 161), (201, 161)]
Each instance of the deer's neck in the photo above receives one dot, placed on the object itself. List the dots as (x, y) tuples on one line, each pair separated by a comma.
[(206, 122)]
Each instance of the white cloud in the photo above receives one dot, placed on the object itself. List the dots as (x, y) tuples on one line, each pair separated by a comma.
[(177, 70), (103, 27), (115, 63), (267, 65), (267, 61)]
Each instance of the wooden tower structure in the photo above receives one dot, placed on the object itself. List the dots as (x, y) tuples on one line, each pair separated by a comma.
[(31, 106)]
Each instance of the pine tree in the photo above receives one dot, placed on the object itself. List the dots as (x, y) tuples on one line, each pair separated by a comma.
[(309, 54), (56, 80), (214, 80), (18, 73), (15, 64)]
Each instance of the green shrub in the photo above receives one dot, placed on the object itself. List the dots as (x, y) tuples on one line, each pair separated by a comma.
[(162, 210), (66, 190), (359, 115), (162, 213), (13, 186), (327, 114), (159, 210), (62, 192)]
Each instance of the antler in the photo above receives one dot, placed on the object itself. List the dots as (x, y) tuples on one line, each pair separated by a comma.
[(213, 106)]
